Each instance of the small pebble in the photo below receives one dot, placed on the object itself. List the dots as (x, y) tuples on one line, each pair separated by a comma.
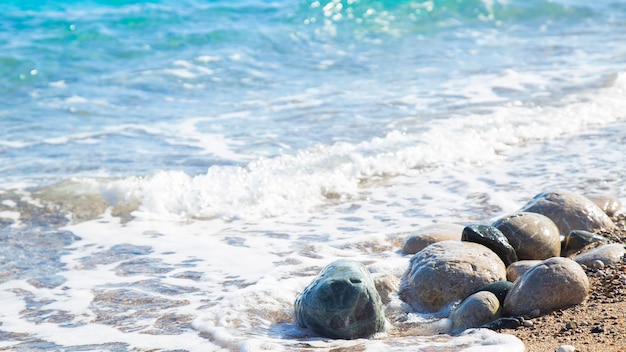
[(565, 348), (597, 264), (597, 330)]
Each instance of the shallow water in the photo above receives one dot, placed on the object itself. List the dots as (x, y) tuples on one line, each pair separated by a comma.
[(174, 173)]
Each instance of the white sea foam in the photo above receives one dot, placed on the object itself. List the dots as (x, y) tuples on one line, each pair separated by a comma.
[(310, 178)]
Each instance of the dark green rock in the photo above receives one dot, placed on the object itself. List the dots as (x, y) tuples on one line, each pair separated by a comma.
[(491, 238), (579, 239), (341, 303), (502, 323), (498, 288)]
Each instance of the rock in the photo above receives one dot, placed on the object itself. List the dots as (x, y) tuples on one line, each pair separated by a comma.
[(570, 211), (447, 272), (518, 268), (491, 238), (502, 323), (533, 236), (478, 309), (554, 283), (607, 254), (609, 204), (341, 302), (386, 285), (430, 234), (499, 288), (579, 239), (566, 348), (597, 264)]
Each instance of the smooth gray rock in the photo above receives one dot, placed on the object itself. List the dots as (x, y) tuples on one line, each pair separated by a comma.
[(579, 239), (478, 309), (341, 303), (554, 283), (569, 211), (515, 270), (430, 234), (607, 254), (447, 272), (533, 236), (491, 238), (609, 204)]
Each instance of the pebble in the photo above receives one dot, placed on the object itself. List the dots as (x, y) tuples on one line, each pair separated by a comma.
[(566, 348), (502, 323), (607, 253), (597, 264)]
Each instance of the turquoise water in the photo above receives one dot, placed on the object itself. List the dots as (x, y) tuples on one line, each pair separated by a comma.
[(173, 173), (85, 83)]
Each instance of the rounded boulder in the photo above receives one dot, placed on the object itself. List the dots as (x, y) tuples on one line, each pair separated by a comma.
[(341, 302), (570, 211), (476, 310), (554, 283), (430, 234), (533, 236), (517, 269), (447, 272)]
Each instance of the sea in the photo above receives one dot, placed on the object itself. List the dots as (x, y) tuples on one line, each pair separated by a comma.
[(173, 173)]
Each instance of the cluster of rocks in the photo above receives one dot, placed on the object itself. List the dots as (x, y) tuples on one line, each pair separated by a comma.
[(523, 265)]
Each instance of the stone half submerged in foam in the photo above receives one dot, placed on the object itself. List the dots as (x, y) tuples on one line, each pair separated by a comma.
[(342, 302)]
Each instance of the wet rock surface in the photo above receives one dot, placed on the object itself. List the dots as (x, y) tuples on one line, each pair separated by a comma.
[(427, 235), (607, 254), (569, 211), (533, 236), (342, 302), (447, 272), (478, 309), (518, 268), (491, 238), (554, 283), (610, 204), (579, 239), (499, 288)]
